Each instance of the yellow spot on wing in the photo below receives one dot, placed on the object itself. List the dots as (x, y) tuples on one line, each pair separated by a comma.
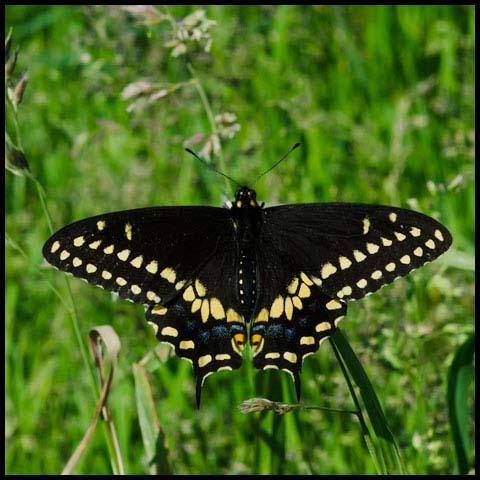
[(205, 360), (392, 216), (327, 270), (292, 288), (376, 275), (168, 274), (197, 303), (135, 289), (390, 267), (405, 259), (297, 302), (304, 291), (347, 290), (344, 262), (121, 281), (189, 294), (418, 252), (359, 256), (169, 331), (372, 248), (64, 255), (306, 279), (216, 309), (205, 310), (429, 243), (366, 225), (400, 236), (307, 341), (386, 242), (272, 355), (153, 297), (276, 309), (186, 344), (289, 307), (362, 283), (108, 250), (91, 268), (106, 275), (222, 356), (200, 288), (79, 241), (323, 326), (101, 224), (94, 245), (137, 261), (152, 267), (128, 231), (438, 234), (233, 316), (290, 357), (415, 232), (159, 310), (55, 246), (124, 254), (77, 262), (333, 305), (262, 315)]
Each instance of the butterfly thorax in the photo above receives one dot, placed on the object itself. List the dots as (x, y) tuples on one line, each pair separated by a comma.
[(246, 218)]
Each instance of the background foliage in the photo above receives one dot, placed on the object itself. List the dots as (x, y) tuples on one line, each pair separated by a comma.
[(382, 99)]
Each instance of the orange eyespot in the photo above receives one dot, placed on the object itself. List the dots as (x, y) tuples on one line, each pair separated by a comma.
[(257, 342), (238, 342)]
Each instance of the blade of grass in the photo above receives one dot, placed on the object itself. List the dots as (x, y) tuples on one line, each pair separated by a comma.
[(460, 376), (153, 436), (388, 448)]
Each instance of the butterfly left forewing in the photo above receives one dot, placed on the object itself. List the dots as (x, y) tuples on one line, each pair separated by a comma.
[(143, 255)]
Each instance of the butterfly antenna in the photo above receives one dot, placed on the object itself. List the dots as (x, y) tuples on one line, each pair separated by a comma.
[(274, 165), (213, 169)]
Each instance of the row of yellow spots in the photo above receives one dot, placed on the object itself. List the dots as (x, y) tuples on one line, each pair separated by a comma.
[(391, 266), (152, 267)]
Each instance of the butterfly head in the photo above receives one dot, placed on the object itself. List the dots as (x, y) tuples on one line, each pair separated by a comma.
[(245, 198)]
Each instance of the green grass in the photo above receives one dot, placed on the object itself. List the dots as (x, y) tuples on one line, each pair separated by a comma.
[(382, 99)]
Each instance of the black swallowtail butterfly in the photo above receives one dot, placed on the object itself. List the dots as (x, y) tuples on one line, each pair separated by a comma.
[(205, 273)]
